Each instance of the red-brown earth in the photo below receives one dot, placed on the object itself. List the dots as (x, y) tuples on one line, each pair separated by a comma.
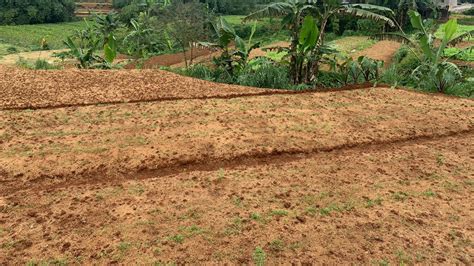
[(365, 176)]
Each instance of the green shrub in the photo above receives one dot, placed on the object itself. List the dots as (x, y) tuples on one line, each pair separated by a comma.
[(328, 79), (369, 27), (349, 33), (39, 64), (264, 74), (401, 54), (259, 256), (221, 75), (12, 50), (405, 68), (469, 12), (43, 64), (121, 3), (330, 36), (129, 12), (245, 30), (390, 76), (199, 71), (35, 11), (22, 63), (456, 53), (463, 89)]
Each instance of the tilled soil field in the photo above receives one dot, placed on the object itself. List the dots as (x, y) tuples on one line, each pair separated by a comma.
[(46, 88), (363, 176)]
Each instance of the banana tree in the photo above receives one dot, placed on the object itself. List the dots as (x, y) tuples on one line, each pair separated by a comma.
[(139, 40), (434, 70), (231, 57), (294, 11), (83, 45)]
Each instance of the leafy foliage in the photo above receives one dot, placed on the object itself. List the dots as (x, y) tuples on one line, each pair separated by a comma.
[(35, 11), (434, 72), (263, 73), (306, 53), (84, 45), (233, 59)]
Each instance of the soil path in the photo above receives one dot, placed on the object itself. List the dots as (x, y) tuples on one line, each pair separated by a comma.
[(382, 50), (47, 55)]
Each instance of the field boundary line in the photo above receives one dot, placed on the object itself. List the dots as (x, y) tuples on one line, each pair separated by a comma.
[(270, 92), (264, 92), (208, 163)]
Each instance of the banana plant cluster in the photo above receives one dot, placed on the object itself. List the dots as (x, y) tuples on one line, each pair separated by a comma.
[(435, 71), (353, 71), (306, 20), (235, 51), (96, 45)]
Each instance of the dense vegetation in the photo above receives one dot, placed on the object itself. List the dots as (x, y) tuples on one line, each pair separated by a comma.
[(223, 7), (35, 11)]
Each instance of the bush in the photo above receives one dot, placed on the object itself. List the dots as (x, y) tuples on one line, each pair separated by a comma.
[(43, 64), (469, 12), (199, 71), (463, 89), (12, 50), (401, 54), (39, 64), (129, 12), (329, 79), (330, 36), (349, 33), (405, 68), (369, 27), (390, 76), (456, 53), (263, 29), (221, 75), (36, 11), (263, 73), (121, 3)]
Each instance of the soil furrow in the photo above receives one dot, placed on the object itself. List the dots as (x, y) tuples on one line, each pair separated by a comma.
[(256, 159), (108, 141), (263, 92)]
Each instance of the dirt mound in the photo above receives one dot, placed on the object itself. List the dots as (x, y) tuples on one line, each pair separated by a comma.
[(38, 89)]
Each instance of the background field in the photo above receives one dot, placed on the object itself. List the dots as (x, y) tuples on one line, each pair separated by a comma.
[(30, 36)]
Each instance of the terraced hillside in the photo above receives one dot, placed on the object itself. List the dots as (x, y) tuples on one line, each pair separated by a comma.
[(85, 8)]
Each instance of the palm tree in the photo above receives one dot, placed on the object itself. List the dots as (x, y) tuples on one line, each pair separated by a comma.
[(293, 12)]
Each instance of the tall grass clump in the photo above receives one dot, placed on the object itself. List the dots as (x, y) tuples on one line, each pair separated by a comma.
[(263, 73)]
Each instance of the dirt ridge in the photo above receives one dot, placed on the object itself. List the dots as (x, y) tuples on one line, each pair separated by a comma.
[(208, 163)]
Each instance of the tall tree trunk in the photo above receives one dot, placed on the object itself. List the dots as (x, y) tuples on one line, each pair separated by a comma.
[(183, 47), (313, 65), (192, 54)]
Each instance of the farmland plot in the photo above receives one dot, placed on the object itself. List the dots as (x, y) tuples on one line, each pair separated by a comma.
[(371, 176)]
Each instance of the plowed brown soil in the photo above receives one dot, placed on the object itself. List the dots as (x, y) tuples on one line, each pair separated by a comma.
[(46, 88), (363, 176)]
